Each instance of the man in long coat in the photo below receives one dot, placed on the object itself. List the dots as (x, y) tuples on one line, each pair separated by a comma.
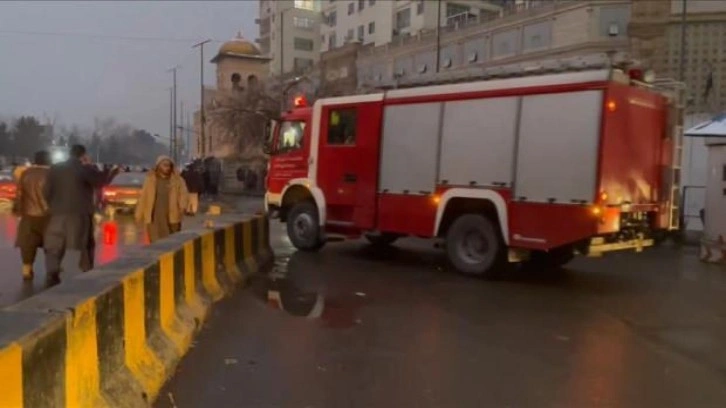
[(69, 192)]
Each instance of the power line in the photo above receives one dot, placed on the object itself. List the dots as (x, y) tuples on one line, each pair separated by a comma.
[(101, 36)]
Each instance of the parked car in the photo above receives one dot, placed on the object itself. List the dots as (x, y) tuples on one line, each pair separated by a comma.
[(123, 193), (7, 185)]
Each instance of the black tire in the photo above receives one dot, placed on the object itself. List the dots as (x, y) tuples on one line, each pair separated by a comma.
[(553, 259), (488, 257), (303, 227), (382, 240)]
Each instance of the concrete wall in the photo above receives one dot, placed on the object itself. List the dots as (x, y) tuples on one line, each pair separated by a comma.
[(114, 335)]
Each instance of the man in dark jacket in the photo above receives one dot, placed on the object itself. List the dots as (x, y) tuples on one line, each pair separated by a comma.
[(32, 209), (69, 193), (192, 175)]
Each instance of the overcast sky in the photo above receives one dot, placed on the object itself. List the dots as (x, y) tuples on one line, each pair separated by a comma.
[(47, 69)]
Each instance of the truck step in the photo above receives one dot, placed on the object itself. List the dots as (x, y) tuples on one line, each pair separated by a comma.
[(335, 237)]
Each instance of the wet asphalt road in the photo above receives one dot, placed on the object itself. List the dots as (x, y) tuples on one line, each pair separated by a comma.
[(350, 327), (111, 239)]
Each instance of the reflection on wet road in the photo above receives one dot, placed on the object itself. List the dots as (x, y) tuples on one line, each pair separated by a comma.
[(352, 326), (111, 238)]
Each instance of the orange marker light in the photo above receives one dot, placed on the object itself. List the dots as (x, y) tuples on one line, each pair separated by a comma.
[(435, 199), (612, 106), (603, 196)]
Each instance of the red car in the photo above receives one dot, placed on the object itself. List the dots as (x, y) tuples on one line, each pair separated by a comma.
[(7, 186), (123, 193)]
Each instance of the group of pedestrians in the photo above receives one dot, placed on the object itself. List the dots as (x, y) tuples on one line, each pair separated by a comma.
[(56, 205)]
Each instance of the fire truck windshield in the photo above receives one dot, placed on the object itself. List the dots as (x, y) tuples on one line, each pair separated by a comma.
[(290, 136)]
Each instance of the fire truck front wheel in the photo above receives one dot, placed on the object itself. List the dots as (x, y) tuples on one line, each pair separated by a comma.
[(474, 246), (303, 227)]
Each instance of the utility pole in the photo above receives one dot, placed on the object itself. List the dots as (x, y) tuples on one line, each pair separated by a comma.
[(171, 117), (172, 134), (282, 65), (202, 118), (438, 35), (178, 152), (175, 117), (682, 68)]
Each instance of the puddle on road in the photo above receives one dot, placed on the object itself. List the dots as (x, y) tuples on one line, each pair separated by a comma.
[(289, 289)]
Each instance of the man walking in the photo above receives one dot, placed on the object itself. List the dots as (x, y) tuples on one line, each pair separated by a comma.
[(32, 209), (192, 176), (163, 201), (69, 193)]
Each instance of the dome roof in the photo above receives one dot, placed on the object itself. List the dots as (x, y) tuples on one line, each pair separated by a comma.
[(239, 46)]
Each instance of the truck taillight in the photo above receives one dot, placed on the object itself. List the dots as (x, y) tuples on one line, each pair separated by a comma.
[(598, 208), (109, 193)]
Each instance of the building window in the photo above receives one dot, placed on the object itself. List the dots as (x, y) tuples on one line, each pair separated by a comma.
[(303, 22), (455, 9), (332, 19), (371, 27), (331, 41), (351, 8), (302, 64), (361, 4), (371, 2), (305, 4), (403, 19), (303, 44), (341, 127), (361, 32), (420, 7)]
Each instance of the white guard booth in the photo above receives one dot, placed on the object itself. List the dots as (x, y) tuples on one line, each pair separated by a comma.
[(713, 243)]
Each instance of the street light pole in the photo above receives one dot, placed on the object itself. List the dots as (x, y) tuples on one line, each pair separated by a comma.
[(202, 119)]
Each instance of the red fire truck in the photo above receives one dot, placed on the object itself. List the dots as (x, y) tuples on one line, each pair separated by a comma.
[(531, 168)]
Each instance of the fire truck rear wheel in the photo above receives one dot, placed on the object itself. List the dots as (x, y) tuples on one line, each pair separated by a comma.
[(474, 246), (303, 227)]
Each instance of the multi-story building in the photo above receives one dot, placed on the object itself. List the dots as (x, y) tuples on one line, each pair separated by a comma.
[(704, 60), (380, 22), (289, 34), (527, 31)]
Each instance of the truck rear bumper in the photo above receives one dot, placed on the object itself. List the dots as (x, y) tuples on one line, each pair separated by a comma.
[(598, 245)]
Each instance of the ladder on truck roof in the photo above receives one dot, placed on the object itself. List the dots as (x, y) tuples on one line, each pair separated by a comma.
[(540, 67)]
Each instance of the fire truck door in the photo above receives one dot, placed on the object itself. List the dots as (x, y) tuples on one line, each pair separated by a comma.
[(348, 163)]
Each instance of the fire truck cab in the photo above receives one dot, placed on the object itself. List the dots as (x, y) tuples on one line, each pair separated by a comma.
[(532, 168)]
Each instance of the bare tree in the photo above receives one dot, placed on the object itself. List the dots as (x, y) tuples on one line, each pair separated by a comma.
[(239, 119)]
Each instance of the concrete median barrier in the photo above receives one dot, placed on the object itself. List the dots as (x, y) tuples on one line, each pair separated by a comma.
[(111, 337)]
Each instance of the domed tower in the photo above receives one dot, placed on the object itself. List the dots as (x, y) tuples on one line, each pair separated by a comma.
[(239, 64)]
